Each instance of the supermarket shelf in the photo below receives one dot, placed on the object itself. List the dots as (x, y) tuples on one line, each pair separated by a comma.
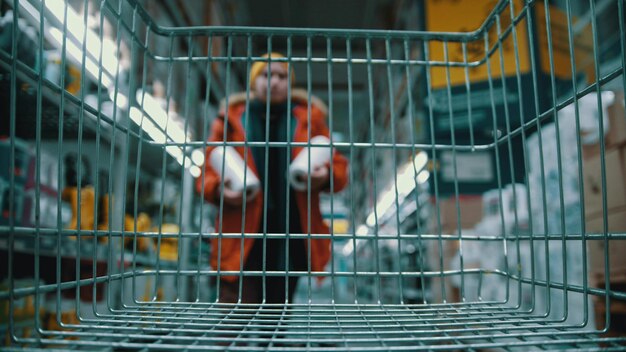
[(26, 108), (71, 248), (48, 247)]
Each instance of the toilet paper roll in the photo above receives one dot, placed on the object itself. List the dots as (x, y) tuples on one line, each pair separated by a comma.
[(234, 170), (299, 168)]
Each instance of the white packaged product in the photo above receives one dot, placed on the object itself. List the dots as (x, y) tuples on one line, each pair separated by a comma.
[(235, 170), (300, 166)]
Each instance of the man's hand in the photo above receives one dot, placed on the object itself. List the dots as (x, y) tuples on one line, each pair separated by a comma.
[(235, 198), (319, 178)]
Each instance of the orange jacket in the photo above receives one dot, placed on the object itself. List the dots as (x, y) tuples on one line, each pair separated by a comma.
[(232, 215)]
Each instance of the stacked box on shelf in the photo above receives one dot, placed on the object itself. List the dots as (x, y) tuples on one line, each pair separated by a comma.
[(22, 158), (504, 215), (11, 204), (45, 188), (470, 208), (555, 202), (606, 256), (16, 172), (25, 317), (486, 102), (614, 319), (614, 174)]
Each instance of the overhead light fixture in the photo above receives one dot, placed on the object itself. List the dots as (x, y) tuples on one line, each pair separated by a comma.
[(76, 30), (102, 64), (420, 160), (74, 40), (409, 175), (120, 99), (362, 230), (423, 176), (158, 136), (76, 54), (198, 157), (153, 108), (160, 127)]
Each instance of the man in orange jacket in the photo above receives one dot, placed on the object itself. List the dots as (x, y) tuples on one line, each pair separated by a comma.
[(286, 209)]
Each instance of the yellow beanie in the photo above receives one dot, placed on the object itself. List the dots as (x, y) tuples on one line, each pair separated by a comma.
[(257, 68)]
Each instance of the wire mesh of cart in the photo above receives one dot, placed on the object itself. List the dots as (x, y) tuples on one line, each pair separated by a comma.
[(520, 121)]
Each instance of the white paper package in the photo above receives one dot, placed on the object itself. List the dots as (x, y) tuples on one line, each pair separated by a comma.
[(299, 168), (234, 170)]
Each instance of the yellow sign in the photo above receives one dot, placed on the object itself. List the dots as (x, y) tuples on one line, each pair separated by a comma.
[(340, 226), (583, 44), (467, 16), (459, 16)]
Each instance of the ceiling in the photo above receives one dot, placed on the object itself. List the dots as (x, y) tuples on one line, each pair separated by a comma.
[(344, 14)]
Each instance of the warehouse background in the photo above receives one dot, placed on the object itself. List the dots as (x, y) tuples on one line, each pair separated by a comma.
[(477, 199)]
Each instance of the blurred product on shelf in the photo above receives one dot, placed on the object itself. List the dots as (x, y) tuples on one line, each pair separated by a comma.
[(235, 171), (71, 193), (507, 209), (103, 219), (104, 205), (169, 246), (22, 160), (45, 184), (52, 71), (72, 79), (23, 309), (469, 206), (20, 171), (56, 316), (138, 226), (27, 39), (11, 205)]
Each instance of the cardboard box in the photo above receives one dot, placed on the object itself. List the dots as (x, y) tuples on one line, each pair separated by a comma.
[(615, 163), (22, 161), (616, 133), (5, 204), (615, 249), (471, 210), (617, 121), (617, 316), (449, 249)]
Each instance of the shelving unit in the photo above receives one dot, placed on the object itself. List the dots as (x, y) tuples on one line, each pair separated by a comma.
[(113, 145), (26, 112)]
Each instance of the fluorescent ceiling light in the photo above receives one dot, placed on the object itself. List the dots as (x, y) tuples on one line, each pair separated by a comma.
[(74, 40), (153, 108), (423, 176), (76, 31), (158, 136), (122, 100), (198, 157), (76, 28), (408, 176), (77, 55)]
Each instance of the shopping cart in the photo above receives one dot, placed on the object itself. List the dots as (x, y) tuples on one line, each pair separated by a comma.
[(498, 112)]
